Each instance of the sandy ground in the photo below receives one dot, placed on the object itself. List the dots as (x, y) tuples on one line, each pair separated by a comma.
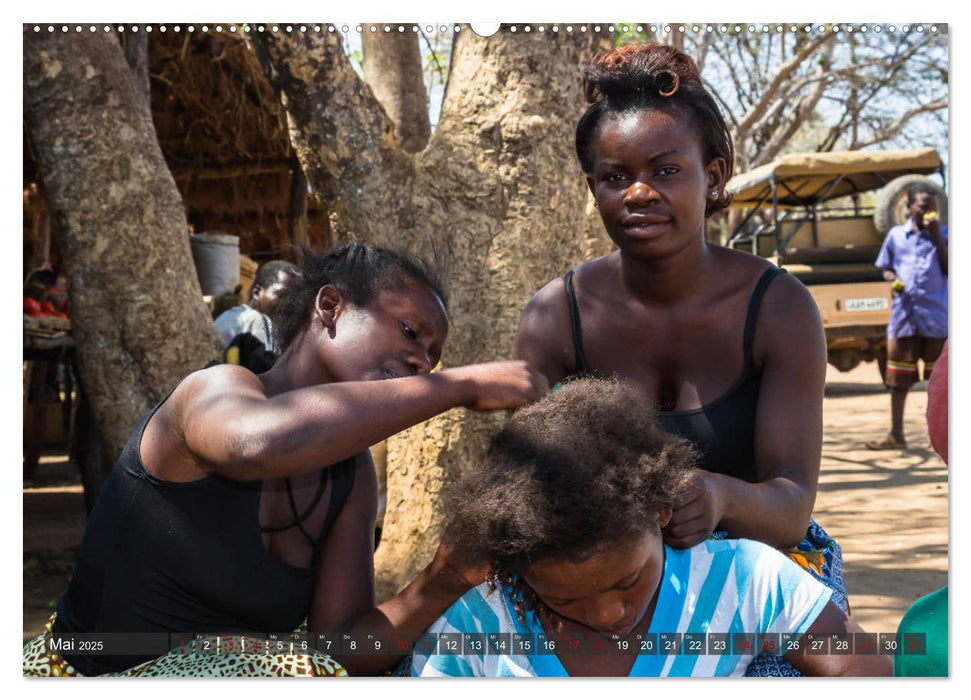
[(888, 510)]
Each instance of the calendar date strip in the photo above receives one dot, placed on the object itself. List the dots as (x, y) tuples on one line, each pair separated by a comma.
[(484, 644)]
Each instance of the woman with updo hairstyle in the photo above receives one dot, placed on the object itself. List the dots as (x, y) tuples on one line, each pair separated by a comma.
[(729, 351)]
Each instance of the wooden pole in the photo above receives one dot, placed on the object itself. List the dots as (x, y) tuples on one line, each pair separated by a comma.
[(42, 231), (297, 218)]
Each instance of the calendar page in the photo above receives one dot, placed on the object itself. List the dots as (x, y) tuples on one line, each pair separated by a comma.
[(210, 496)]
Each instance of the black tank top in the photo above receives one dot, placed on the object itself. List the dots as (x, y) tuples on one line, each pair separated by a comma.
[(162, 556), (723, 430)]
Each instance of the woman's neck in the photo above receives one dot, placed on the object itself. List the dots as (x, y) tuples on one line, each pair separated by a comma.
[(297, 368), (668, 280), (554, 624)]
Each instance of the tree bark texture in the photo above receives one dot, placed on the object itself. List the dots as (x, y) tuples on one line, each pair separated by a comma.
[(347, 149), (136, 53), (137, 314), (497, 194), (393, 70)]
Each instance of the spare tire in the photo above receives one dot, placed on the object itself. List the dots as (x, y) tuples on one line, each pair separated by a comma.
[(891, 207)]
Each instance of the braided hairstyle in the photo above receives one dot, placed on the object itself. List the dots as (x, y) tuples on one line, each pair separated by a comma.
[(584, 469), (359, 272), (653, 76)]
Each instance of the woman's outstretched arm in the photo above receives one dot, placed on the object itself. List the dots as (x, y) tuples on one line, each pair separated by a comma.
[(220, 421)]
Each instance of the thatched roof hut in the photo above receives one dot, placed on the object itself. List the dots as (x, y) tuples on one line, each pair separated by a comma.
[(224, 135)]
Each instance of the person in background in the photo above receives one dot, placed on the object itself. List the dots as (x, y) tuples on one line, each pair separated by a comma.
[(928, 615), (914, 259), (226, 301), (273, 282)]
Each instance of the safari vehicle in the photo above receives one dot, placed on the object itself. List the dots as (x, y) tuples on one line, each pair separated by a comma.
[(792, 216)]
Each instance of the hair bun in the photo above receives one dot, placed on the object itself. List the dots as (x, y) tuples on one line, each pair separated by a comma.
[(667, 82), (615, 75)]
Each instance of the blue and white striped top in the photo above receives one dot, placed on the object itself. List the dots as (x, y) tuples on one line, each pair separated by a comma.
[(725, 586)]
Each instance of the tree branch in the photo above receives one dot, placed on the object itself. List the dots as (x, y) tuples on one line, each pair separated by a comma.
[(799, 115), (339, 131), (731, 71), (785, 72), (724, 105), (701, 51), (871, 88), (894, 128), (393, 71)]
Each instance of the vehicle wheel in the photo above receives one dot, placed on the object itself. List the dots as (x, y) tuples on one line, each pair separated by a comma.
[(844, 360), (891, 206)]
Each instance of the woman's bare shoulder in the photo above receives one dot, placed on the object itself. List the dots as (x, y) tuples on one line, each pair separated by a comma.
[(545, 338), (164, 450), (787, 316), (743, 270), (205, 387), (740, 262), (224, 377)]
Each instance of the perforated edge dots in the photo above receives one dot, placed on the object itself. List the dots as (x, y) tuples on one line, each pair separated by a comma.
[(580, 28)]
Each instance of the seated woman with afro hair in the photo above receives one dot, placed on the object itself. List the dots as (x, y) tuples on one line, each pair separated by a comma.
[(568, 508)]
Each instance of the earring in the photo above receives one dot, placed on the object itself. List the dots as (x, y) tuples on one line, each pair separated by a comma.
[(714, 194)]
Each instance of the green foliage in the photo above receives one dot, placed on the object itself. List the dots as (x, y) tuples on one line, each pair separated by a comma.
[(627, 33), (435, 63)]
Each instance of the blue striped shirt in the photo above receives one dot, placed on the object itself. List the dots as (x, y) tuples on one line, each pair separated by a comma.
[(725, 586)]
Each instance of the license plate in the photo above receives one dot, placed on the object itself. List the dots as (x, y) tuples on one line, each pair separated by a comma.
[(871, 304)]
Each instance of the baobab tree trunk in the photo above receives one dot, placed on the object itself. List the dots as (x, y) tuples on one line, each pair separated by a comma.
[(497, 192), (136, 53), (393, 70), (137, 314)]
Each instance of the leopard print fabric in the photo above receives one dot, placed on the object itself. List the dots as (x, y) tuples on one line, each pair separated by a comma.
[(37, 662), (240, 665), (191, 663)]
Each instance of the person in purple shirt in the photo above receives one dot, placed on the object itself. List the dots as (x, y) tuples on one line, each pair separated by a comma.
[(914, 258)]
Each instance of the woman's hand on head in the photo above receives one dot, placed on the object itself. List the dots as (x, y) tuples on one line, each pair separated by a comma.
[(456, 569), (698, 512), (495, 386)]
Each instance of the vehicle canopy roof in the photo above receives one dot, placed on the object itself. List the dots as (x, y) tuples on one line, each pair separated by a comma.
[(804, 179)]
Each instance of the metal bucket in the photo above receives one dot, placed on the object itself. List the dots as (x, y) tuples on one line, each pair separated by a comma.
[(216, 257)]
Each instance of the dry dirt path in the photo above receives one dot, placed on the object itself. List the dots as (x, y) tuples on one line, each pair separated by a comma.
[(53, 525), (888, 510)]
